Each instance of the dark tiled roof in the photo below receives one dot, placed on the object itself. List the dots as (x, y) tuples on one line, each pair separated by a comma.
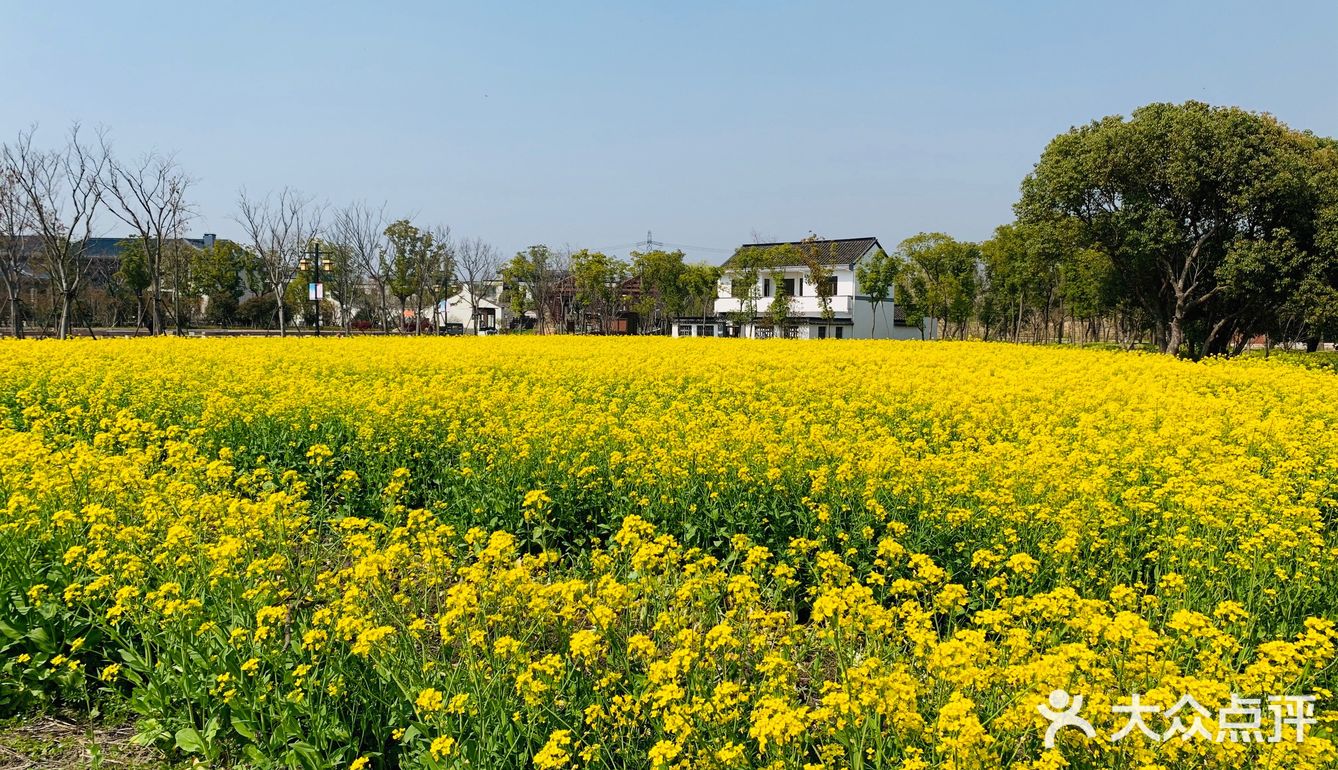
[(839, 251), (102, 248), (102, 255)]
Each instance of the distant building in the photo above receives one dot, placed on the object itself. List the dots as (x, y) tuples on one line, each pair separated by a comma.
[(744, 310), (103, 255), (458, 308)]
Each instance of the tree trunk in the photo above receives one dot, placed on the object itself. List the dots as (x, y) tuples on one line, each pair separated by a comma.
[(1176, 333), (278, 300), (176, 310), (1216, 342), (63, 325), (157, 303), (16, 316), (1017, 329)]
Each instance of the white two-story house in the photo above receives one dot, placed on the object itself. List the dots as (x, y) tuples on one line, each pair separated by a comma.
[(743, 308)]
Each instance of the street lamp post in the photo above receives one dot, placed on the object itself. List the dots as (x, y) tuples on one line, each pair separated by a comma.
[(316, 289)]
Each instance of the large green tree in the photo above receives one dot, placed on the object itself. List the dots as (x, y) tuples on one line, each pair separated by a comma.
[(937, 278), (596, 282), (699, 285), (132, 276), (1195, 207), (1036, 275), (529, 281), (407, 253), (220, 272), (663, 294)]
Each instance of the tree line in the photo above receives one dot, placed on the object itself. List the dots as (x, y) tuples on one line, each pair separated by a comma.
[(376, 272), (1192, 228), (589, 289), (51, 200)]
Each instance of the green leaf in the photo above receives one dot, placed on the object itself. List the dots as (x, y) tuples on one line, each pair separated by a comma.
[(10, 631), (190, 741), (306, 754), (43, 639), (242, 728)]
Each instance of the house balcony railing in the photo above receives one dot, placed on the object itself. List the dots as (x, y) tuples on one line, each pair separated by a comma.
[(799, 306)]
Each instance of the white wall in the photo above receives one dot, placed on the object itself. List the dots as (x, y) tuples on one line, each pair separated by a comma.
[(457, 309), (871, 323)]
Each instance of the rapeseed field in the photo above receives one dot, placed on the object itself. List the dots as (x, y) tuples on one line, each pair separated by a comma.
[(569, 553)]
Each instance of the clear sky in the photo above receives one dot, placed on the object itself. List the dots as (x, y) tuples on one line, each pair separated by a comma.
[(587, 124)]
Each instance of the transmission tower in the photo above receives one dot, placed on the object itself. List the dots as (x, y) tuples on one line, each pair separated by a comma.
[(650, 243)]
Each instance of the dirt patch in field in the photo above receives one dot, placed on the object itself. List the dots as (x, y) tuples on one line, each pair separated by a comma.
[(50, 742)]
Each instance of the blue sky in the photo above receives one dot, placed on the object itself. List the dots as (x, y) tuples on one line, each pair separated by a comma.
[(589, 123)]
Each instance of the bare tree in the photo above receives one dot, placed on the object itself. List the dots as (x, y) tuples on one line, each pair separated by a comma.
[(360, 231), (62, 193), (344, 279), (14, 252), (559, 272), (181, 259), (439, 271), (476, 263), (278, 229), (149, 195)]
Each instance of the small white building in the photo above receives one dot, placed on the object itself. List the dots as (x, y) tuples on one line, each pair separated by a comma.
[(745, 311), (459, 309)]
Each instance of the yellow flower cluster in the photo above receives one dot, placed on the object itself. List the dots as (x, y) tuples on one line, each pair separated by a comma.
[(570, 553)]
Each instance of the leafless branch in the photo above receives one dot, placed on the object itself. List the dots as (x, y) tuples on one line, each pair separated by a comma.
[(278, 229), (62, 192)]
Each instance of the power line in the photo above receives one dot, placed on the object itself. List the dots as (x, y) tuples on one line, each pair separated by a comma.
[(650, 243), (700, 248)]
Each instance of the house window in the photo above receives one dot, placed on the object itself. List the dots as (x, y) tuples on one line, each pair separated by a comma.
[(822, 332), (831, 286), (840, 332), (789, 287), (684, 330), (738, 289), (706, 330), (766, 287)]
